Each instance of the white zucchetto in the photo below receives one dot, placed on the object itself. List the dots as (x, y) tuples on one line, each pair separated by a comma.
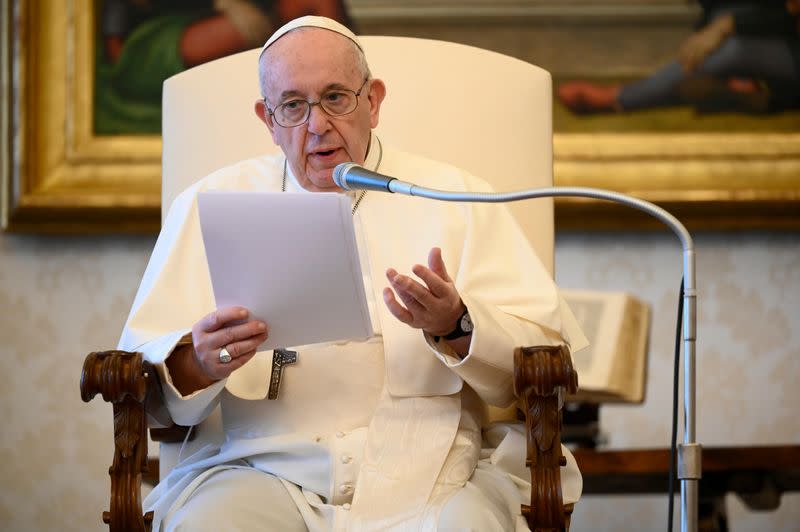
[(310, 21)]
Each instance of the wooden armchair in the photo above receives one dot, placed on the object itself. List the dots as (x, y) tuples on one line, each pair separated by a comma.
[(132, 387), (430, 110)]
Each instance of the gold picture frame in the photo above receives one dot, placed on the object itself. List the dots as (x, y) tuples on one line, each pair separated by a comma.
[(60, 177)]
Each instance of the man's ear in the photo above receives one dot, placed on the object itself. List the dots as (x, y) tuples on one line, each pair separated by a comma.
[(377, 92), (263, 115)]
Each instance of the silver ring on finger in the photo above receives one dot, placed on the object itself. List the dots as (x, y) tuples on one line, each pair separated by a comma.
[(224, 356)]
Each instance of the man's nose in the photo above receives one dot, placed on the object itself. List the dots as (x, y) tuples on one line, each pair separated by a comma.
[(318, 120)]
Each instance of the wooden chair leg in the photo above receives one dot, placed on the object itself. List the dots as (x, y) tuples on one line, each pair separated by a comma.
[(122, 378), (540, 374)]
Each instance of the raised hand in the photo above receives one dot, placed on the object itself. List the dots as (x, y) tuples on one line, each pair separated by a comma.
[(433, 307)]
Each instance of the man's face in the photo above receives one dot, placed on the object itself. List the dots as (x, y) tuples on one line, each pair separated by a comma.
[(305, 64)]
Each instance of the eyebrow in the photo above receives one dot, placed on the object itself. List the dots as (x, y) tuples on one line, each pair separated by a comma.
[(295, 93)]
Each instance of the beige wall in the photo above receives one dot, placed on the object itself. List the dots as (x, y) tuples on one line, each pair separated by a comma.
[(63, 297), (747, 353), (60, 299)]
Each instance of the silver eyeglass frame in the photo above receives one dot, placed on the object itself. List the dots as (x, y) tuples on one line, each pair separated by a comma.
[(357, 94)]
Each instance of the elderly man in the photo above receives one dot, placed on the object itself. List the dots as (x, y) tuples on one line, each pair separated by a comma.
[(376, 434)]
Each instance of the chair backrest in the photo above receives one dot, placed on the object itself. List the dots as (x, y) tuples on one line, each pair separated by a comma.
[(484, 112)]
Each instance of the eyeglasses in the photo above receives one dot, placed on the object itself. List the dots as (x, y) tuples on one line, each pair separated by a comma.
[(336, 102)]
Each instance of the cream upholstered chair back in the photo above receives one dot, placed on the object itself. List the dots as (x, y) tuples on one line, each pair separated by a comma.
[(487, 113), (484, 112)]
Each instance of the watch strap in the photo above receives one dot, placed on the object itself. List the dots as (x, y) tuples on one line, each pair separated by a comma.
[(459, 331)]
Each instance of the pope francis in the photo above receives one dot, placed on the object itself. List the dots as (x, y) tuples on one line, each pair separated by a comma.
[(387, 433)]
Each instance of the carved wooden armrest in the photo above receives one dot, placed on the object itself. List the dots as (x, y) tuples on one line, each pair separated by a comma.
[(132, 385), (125, 380), (540, 375)]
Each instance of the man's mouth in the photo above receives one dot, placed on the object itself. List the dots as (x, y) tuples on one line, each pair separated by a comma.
[(324, 153)]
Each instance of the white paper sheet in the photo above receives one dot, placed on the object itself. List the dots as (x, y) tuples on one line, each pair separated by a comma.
[(291, 259)]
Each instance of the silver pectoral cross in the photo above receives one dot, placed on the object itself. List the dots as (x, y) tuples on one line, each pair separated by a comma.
[(280, 357)]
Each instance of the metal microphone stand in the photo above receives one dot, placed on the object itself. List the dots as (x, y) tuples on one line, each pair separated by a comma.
[(689, 453)]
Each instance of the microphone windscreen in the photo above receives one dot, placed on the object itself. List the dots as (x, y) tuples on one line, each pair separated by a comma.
[(339, 174)]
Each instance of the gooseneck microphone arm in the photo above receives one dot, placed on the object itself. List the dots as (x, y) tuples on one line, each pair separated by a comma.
[(350, 176)]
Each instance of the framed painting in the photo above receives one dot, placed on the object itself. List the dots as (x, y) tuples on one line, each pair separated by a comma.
[(63, 171), (715, 142), (59, 175), (82, 87), (711, 164)]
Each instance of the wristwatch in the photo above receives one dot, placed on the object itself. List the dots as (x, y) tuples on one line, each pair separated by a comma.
[(463, 327)]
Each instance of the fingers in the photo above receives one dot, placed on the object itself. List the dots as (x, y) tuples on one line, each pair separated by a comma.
[(432, 307), (229, 328), (220, 317), (436, 264), (241, 341), (396, 308), (237, 362), (438, 286), (228, 336), (241, 352), (439, 290), (242, 347), (409, 291)]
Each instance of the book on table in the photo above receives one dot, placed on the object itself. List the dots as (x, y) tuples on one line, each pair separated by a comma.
[(613, 368)]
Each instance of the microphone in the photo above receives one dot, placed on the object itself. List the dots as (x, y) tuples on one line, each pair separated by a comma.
[(350, 176)]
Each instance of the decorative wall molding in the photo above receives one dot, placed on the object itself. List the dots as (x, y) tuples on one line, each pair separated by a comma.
[(580, 11)]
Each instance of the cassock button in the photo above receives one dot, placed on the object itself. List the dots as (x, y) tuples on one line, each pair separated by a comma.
[(346, 489), (346, 458), (317, 439)]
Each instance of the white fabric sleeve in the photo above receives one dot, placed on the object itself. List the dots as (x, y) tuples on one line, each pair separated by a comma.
[(494, 332), (184, 410)]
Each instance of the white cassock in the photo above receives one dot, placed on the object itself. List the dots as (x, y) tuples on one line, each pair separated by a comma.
[(376, 434)]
